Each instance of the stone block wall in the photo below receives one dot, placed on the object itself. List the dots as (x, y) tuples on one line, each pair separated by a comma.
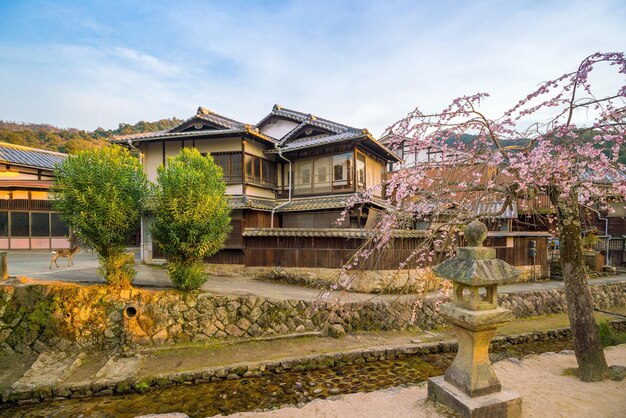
[(35, 317), (364, 281)]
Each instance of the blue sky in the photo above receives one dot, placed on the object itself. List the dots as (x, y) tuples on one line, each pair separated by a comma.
[(86, 64)]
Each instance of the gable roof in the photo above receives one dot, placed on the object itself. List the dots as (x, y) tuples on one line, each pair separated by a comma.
[(335, 132), (305, 120), (301, 117), (204, 114), (29, 157), (223, 126)]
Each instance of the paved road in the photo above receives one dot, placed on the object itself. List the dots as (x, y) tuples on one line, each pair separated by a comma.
[(35, 264)]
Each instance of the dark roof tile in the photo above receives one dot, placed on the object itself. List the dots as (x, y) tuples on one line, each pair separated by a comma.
[(327, 232), (32, 157)]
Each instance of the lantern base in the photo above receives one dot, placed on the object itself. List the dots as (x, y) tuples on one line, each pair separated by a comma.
[(503, 404)]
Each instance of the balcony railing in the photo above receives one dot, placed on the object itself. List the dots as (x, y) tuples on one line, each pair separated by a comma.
[(25, 204)]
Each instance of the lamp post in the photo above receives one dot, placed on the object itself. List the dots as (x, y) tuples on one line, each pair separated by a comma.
[(470, 385)]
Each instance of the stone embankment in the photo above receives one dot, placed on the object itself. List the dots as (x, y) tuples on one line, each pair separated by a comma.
[(36, 316)]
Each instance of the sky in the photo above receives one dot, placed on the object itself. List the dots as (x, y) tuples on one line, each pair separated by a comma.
[(89, 64)]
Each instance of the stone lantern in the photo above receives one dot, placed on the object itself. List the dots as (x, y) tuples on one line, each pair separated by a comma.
[(470, 386)]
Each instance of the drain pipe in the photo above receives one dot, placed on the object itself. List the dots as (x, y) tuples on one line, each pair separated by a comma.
[(280, 153), (130, 144)]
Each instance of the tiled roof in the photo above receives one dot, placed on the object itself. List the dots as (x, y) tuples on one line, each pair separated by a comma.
[(228, 125), (327, 232), (168, 134), (339, 132), (319, 203), (314, 141), (296, 205), (31, 157), (244, 202), (518, 234), (212, 117), (278, 110), (218, 120), (216, 132), (314, 204)]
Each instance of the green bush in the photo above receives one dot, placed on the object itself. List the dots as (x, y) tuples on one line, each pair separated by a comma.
[(187, 276), (609, 336), (100, 194), (192, 215)]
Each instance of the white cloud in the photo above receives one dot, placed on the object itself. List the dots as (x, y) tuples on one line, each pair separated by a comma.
[(364, 64)]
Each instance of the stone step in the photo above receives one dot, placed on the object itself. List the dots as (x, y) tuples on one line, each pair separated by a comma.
[(118, 368), (50, 368)]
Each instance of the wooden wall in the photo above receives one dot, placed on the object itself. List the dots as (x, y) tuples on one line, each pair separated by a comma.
[(518, 254), (333, 252), (320, 252)]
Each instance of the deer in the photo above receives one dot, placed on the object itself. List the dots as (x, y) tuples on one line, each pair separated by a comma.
[(64, 253)]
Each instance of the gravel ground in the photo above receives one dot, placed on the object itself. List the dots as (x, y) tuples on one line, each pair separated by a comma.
[(539, 379)]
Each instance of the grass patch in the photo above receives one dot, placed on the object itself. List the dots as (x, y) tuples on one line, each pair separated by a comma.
[(609, 336), (572, 371)]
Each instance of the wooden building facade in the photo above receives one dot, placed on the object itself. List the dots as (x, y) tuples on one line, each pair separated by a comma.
[(292, 169), (27, 220)]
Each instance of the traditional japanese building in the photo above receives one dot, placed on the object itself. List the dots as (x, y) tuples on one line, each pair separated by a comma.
[(27, 220), (290, 175)]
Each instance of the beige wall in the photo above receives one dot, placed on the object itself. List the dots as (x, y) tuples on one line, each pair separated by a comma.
[(23, 174), (373, 174), (256, 148), (278, 128), (219, 145), (153, 151), (172, 149), (254, 191), (152, 158), (234, 189)]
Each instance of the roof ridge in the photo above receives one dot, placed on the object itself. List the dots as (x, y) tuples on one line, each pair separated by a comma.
[(32, 149), (218, 115), (203, 111), (307, 116)]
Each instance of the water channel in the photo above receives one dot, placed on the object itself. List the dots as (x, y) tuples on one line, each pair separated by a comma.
[(266, 392)]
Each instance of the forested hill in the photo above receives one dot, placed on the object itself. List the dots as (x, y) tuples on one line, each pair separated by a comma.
[(71, 140)]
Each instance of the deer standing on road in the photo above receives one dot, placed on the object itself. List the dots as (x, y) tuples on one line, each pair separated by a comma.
[(64, 253)]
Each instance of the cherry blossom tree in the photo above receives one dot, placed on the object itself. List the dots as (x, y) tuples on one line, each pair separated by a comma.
[(561, 142)]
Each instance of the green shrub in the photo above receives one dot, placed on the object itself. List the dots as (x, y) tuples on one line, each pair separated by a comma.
[(100, 194), (192, 215), (609, 336), (187, 276)]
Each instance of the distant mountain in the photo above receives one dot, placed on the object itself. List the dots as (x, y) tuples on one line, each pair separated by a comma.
[(72, 140)]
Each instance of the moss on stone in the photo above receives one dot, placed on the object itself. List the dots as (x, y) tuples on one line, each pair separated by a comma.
[(142, 386)]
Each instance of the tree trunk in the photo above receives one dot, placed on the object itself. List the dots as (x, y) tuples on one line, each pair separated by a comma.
[(592, 365)]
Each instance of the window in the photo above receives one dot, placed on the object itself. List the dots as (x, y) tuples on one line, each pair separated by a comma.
[(268, 172), (230, 162), (4, 224), (302, 178), (59, 228), (322, 181), (342, 171), (19, 224), (257, 169), (360, 171), (260, 171), (40, 224)]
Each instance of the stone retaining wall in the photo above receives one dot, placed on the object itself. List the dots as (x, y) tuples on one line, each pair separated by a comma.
[(365, 281), (35, 316)]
